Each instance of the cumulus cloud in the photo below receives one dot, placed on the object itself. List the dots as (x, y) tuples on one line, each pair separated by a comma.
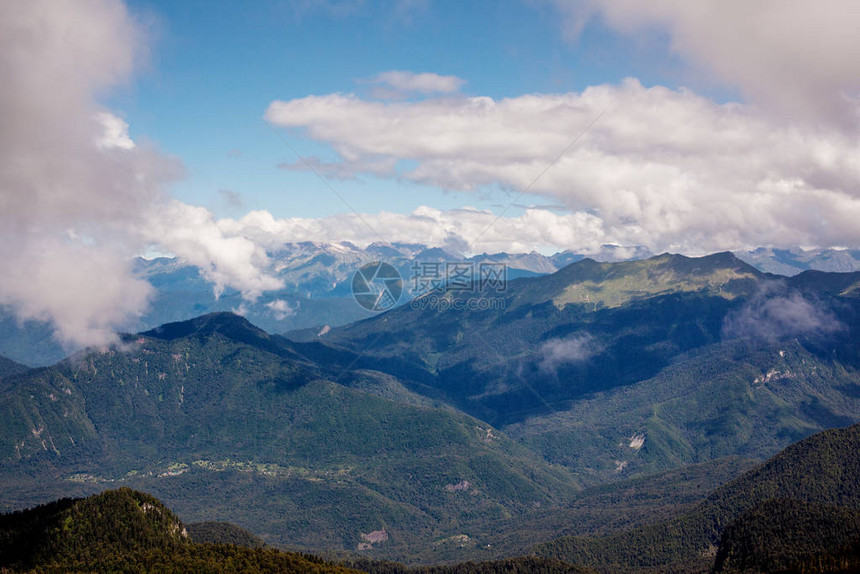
[(557, 352), (664, 168), (793, 56), (775, 313), (397, 82), (226, 259), (78, 198)]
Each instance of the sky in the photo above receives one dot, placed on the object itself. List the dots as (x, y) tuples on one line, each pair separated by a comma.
[(215, 73), (216, 131)]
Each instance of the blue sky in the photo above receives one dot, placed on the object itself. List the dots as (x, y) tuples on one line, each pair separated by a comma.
[(215, 67)]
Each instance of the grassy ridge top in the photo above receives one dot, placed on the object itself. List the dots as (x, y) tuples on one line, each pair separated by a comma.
[(614, 284)]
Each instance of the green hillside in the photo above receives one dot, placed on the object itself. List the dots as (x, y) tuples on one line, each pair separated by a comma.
[(791, 536), (129, 531), (222, 533), (732, 398), (615, 284), (593, 327), (823, 469), (126, 531), (518, 565), (80, 531), (704, 358), (215, 409), (430, 435)]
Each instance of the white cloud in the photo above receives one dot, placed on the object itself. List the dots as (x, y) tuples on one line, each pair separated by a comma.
[(86, 293), (535, 229), (115, 132), (557, 352), (227, 260), (280, 309), (795, 56), (425, 83), (775, 313), (77, 197), (67, 186), (664, 168)]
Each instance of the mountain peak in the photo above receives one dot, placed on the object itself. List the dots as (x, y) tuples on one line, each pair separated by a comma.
[(720, 258), (71, 530), (225, 323)]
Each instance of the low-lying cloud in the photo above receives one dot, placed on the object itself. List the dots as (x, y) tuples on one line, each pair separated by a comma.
[(557, 352), (280, 309), (776, 313)]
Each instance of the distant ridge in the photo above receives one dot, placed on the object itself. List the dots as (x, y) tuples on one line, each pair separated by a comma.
[(317, 278), (793, 261), (613, 284)]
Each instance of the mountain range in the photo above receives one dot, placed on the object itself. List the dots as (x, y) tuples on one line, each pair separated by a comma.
[(587, 404), (317, 281)]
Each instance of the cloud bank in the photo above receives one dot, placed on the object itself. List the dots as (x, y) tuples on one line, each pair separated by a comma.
[(536, 228), (664, 168)]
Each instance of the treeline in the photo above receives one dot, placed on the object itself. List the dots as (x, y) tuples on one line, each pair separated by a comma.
[(523, 564), (128, 531)]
